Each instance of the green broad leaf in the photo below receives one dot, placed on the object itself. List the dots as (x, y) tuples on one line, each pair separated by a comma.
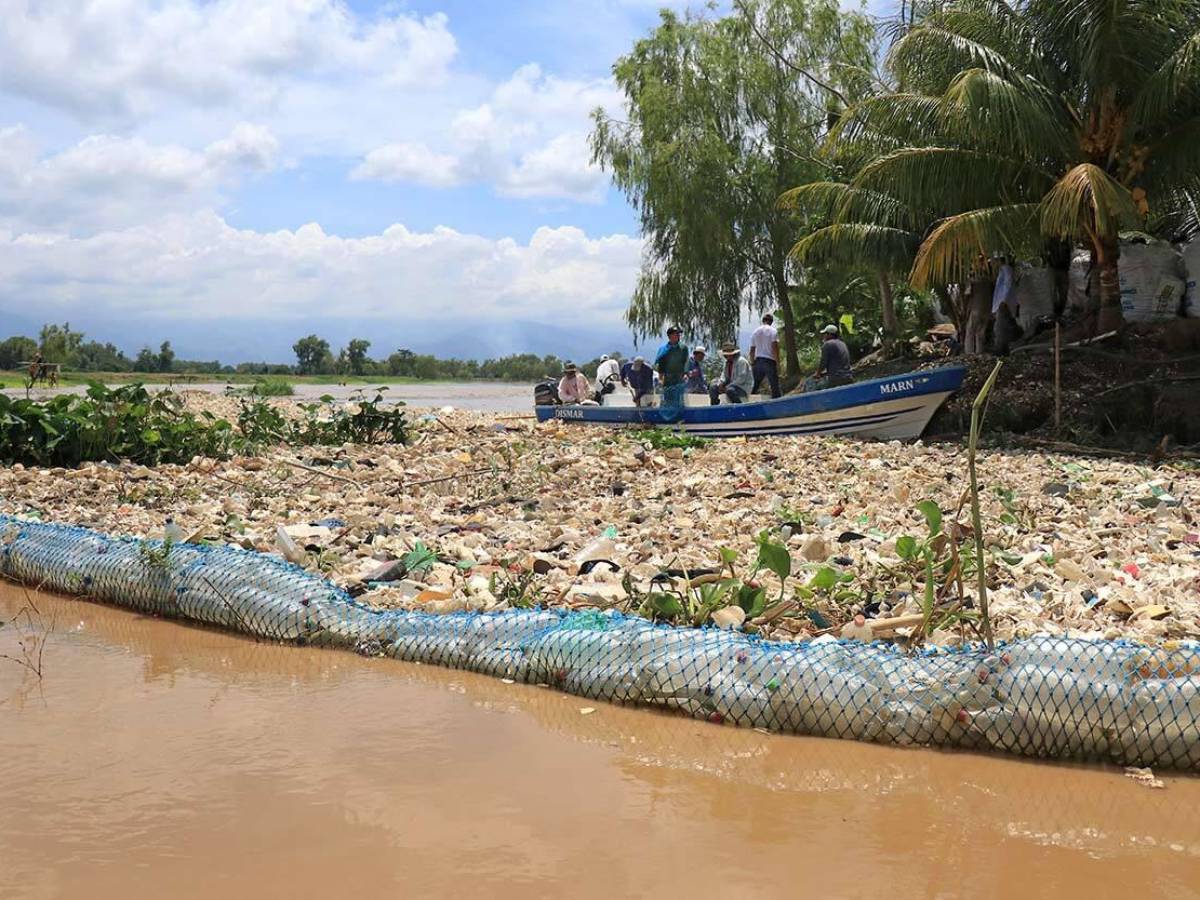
[(151, 436), (825, 579), (666, 605), (752, 600), (906, 547), (728, 555), (775, 558), (846, 323), (1010, 559), (933, 515)]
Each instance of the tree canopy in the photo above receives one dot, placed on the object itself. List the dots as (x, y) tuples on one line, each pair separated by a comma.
[(1022, 128), (722, 116)]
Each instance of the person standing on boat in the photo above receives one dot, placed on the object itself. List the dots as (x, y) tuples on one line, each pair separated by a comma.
[(696, 383), (764, 355), (671, 364), (574, 387), (834, 368), (736, 381)]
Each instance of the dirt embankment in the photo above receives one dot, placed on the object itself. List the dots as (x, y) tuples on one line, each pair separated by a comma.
[(1129, 392)]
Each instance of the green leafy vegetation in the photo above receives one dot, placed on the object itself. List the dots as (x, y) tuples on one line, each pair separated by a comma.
[(664, 439), (131, 423), (272, 387), (127, 423)]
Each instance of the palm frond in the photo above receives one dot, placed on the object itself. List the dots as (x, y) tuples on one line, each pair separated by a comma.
[(1176, 81), (1020, 116), (858, 243), (951, 180), (997, 24), (1087, 201), (954, 249), (929, 57), (845, 203)]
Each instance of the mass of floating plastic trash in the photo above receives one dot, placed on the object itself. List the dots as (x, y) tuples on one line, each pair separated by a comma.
[(1043, 697)]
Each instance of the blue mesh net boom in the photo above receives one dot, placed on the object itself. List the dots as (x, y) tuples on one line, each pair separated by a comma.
[(1043, 697)]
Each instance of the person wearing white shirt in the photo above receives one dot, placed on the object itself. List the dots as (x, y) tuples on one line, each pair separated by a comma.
[(764, 354), (608, 375)]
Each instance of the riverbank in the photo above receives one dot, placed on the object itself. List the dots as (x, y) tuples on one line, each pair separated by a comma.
[(501, 511)]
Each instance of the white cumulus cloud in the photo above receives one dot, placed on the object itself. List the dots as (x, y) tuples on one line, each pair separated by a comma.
[(529, 139), (108, 181), (122, 58), (413, 162), (199, 267)]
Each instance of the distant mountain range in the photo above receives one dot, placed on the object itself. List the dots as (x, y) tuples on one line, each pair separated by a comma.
[(270, 340)]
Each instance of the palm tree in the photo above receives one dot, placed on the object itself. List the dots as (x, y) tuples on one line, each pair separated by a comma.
[(1020, 123), (856, 229)]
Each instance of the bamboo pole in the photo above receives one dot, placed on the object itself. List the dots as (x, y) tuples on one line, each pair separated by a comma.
[(1057, 376), (978, 409)]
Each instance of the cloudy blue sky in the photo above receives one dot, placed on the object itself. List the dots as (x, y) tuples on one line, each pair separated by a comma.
[(233, 174)]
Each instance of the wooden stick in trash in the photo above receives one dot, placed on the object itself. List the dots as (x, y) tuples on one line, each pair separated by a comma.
[(317, 471), (882, 626)]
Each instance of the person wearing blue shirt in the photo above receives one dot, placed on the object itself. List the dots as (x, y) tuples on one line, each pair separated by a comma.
[(671, 363)]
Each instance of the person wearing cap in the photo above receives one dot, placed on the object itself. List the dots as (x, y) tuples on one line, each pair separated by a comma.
[(608, 370), (608, 373), (834, 368), (640, 379), (574, 387), (671, 363), (736, 380), (696, 383), (764, 355)]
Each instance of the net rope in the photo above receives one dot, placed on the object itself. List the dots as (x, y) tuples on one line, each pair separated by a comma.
[(1047, 697)]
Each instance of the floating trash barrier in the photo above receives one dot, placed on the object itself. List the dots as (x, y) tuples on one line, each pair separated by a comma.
[(1043, 697)]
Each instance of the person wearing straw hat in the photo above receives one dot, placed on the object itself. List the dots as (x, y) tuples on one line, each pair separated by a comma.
[(574, 387), (736, 380), (696, 383)]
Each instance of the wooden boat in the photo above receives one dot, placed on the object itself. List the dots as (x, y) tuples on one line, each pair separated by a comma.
[(894, 408)]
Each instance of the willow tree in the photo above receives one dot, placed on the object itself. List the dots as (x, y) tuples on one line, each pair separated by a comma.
[(1021, 123), (722, 116)]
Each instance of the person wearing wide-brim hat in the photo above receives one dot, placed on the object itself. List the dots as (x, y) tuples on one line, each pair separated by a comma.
[(736, 381), (574, 387)]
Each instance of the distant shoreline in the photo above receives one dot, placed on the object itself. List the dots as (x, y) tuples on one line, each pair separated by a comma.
[(15, 378)]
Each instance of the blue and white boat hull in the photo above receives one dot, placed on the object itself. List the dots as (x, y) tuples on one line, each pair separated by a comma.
[(895, 408)]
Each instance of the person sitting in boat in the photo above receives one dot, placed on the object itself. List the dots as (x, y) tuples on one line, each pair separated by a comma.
[(834, 368), (640, 378), (671, 363), (574, 387), (608, 373), (736, 381), (696, 382)]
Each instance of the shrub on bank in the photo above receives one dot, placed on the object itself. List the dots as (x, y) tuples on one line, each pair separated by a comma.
[(131, 423)]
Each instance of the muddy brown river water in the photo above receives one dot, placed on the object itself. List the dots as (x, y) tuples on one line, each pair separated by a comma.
[(153, 759)]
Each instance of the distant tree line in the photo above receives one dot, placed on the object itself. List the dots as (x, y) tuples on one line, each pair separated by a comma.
[(314, 356)]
